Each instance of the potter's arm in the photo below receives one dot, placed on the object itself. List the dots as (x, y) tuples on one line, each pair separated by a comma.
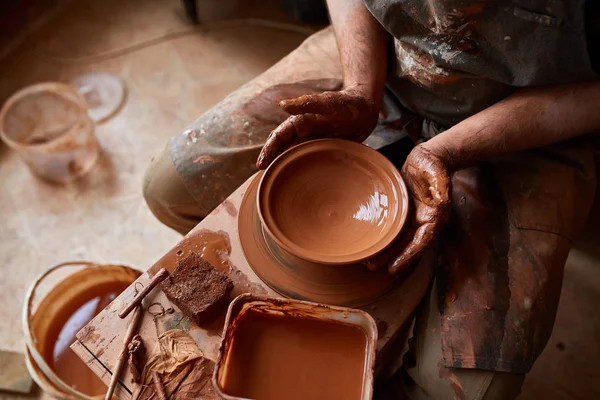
[(350, 113), (528, 119), (362, 43)]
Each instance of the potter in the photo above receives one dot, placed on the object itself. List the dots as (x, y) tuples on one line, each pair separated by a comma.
[(498, 99)]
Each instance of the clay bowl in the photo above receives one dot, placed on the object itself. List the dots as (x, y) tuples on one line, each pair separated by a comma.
[(332, 201)]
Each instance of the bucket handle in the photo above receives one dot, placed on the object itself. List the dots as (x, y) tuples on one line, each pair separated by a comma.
[(31, 341)]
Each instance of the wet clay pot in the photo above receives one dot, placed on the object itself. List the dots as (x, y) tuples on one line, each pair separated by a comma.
[(285, 254), (332, 201)]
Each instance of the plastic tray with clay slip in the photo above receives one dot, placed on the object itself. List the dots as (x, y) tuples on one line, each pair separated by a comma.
[(277, 306)]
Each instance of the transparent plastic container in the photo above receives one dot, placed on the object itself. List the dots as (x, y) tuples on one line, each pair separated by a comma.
[(48, 125), (104, 94)]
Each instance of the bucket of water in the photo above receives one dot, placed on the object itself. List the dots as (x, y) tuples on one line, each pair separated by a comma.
[(65, 303)]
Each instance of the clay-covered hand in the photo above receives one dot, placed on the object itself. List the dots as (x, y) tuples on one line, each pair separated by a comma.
[(428, 184), (347, 114)]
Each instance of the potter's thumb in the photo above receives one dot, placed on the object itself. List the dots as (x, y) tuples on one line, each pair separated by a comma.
[(261, 163), (308, 104), (264, 158), (398, 265), (422, 238)]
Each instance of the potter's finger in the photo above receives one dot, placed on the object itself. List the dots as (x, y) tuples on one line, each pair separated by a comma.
[(375, 263), (385, 257), (423, 237), (322, 103), (295, 127), (331, 104), (431, 190), (311, 125), (275, 143)]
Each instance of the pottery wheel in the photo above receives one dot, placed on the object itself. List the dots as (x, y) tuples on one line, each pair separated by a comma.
[(351, 285)]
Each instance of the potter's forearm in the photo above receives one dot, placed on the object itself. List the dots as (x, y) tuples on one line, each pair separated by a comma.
[(362, 43), (527, 119)]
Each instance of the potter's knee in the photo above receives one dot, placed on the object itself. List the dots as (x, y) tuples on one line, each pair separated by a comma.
[(167, 197), (157, 177)]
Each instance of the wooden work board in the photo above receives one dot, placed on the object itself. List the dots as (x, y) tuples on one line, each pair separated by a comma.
[(101, 340)]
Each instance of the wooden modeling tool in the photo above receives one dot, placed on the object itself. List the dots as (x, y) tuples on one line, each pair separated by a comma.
[(123, 355), (137, 300)]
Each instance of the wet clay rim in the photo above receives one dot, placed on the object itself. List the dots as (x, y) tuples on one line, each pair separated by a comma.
[(381, 167)]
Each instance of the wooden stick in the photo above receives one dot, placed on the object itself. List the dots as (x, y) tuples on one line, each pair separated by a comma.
[(137, 300), (158, 386), (131, 330)]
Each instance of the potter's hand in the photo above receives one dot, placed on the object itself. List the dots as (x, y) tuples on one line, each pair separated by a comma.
[(347, 114), (428, 183)]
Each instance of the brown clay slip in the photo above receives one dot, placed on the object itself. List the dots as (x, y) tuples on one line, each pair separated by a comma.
[(286, 357), (275, 348)]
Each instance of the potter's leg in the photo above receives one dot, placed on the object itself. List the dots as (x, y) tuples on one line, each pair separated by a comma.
[(208, 161), (167, 197), (218, 152), (512, 225), (424, 377)]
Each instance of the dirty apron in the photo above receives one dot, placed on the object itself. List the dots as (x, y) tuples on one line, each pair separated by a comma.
[(511, 226)]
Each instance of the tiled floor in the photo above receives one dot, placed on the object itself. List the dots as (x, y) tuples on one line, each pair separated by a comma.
[(104, 217)]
